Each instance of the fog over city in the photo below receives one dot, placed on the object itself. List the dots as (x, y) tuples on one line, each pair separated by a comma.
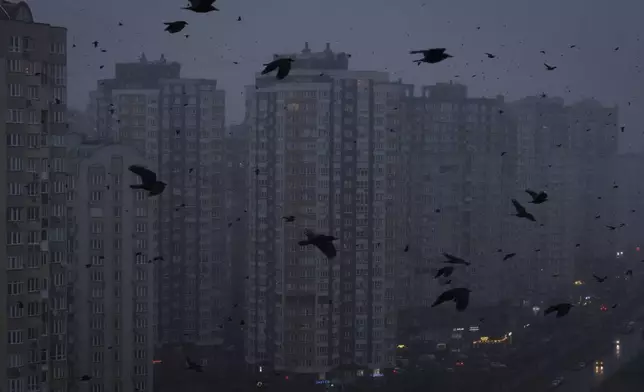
[(302, 195)]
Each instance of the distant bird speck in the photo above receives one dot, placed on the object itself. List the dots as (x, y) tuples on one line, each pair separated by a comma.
[(549, 67)]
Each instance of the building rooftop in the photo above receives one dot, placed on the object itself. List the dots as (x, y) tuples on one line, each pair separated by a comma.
[(19, 11), (327, 59)]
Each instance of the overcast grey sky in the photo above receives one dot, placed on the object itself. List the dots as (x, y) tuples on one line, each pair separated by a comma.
[(378, 34)]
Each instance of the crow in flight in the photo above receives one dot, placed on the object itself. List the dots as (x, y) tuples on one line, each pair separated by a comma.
[(431, 56), (175, 27), (282, 65), (537, 198), (451, 259), (561, 309), (201, 6), (445, 271), (521, 211), (321, 241), (193, 366), (148, 180), (459, 295)]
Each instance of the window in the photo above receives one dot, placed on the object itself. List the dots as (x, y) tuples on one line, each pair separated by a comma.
[(16, 336), (33, 92), (15, 164), (15, 116), (96, 195), (15, 263), (15, 90), (16, 385), (15, 65), (59, 117), (16, 287), (15, 44), (15, 189), (14, 238), (13, 214)]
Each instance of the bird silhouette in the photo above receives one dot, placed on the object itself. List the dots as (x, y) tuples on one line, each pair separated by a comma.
[(289, 218), (460, 295), (193, 365), (283, 66), (521, 211), (175, 27), (611, 228), (549, 67), (148, 180), (451, 259), (321, 241), (490, 55), (562, 309), (599, 279), (509, 256), (431, 56), (445, 271), (537, 198), (201, 6)]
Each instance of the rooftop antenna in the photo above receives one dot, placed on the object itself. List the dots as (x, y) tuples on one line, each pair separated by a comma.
[(4, 10)]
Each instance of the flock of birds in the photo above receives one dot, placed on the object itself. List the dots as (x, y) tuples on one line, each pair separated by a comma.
[(460, 295)]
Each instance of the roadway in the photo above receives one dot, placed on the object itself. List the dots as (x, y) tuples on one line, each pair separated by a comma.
[(592, 346)]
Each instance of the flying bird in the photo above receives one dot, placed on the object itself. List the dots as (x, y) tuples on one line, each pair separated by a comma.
[(451, 259), (611, 228), (283, 66), (85, 378), (562, 309), (537, 198), (549, 67), (459, 295), (445, 271), (406, 248), (521, 211), (490, 55), (148, 180), (509, 256), (201, 6), (321, 241), (175, 27), (193, 366), (599, 279), (289, 218), (431, 56)]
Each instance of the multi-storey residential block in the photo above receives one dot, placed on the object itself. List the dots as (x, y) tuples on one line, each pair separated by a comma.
[(178, 123), (34, 345), (111, 227), (322, 148)]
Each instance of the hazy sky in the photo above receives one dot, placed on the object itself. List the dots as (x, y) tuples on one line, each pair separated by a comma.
[(378, 34)]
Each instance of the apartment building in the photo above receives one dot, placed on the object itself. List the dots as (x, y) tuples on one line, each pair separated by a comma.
[(111, 228), (322, 149), (570, 152), (179, 124), (459, 176), (34, 348)]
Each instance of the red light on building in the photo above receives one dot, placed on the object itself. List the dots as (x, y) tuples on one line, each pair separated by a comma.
[(637, 249), (286, 377), (156, 361), (603, 308)]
